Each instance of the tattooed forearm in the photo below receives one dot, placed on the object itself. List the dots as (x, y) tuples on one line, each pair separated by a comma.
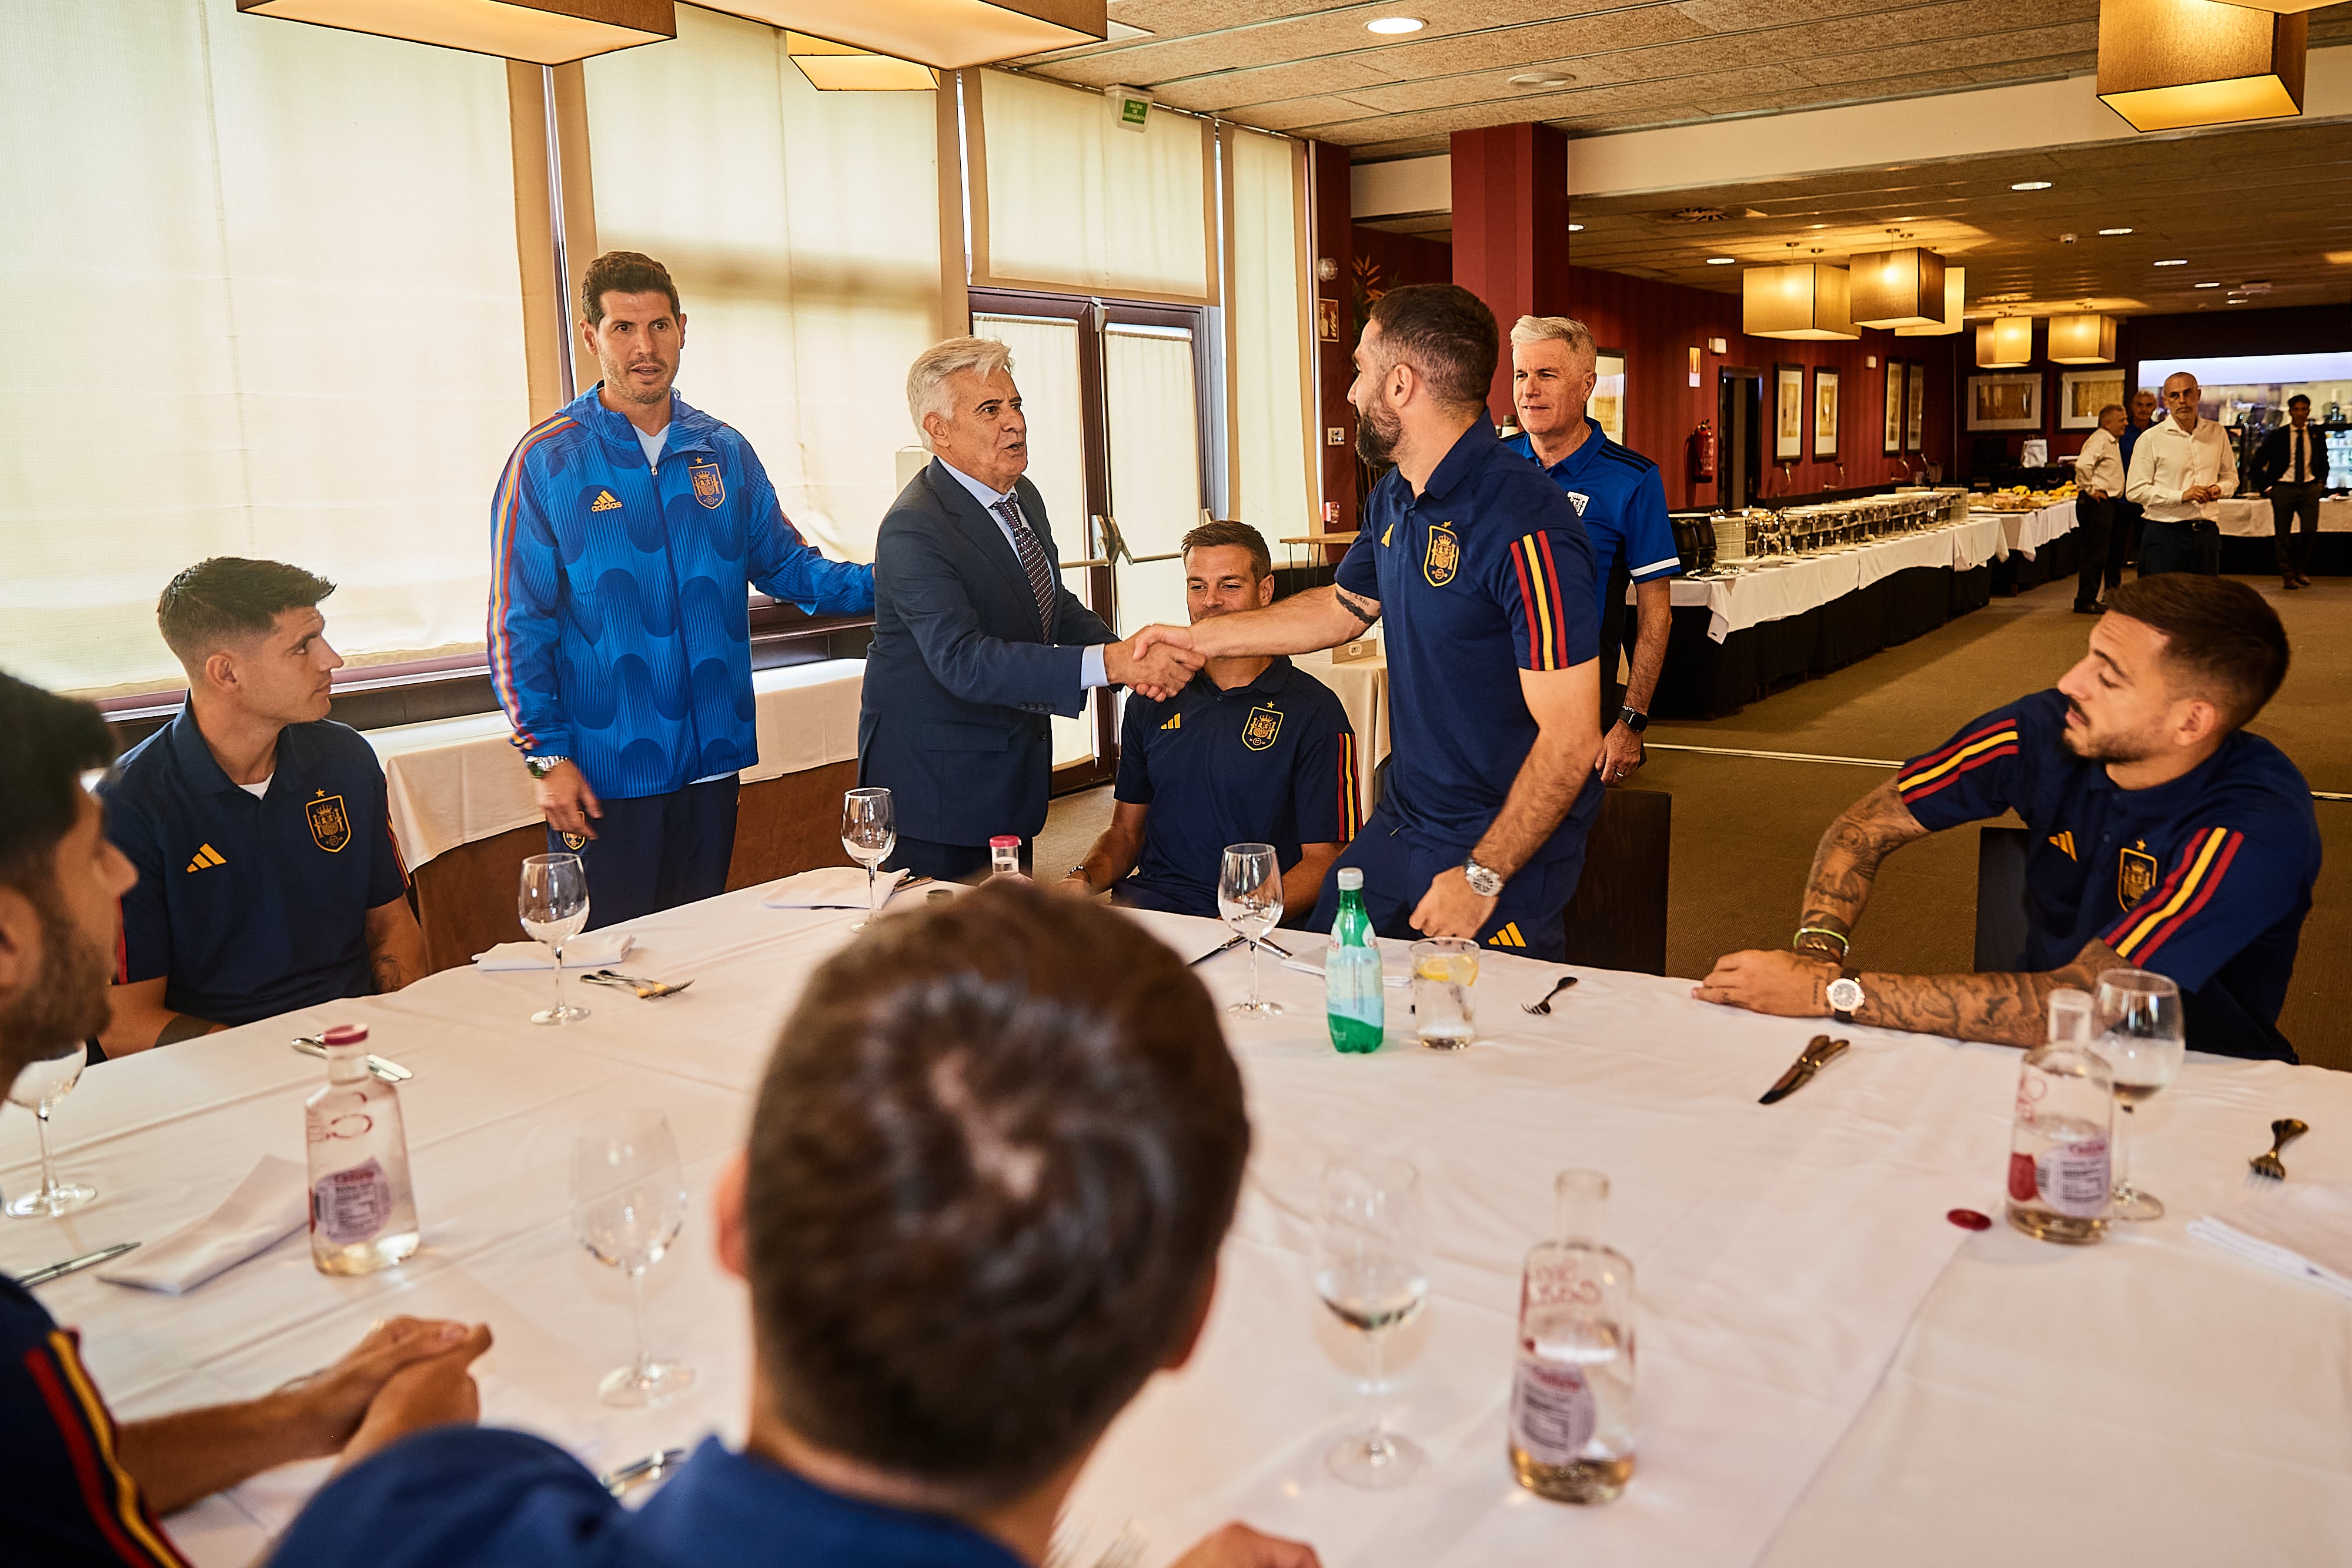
[(1847, 862), (1363, 610), (1997, 1010)]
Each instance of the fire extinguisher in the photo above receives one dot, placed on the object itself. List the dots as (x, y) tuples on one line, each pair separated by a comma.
[(1701, 454)]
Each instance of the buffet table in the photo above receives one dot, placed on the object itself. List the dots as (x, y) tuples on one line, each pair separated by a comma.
[(1826, 1366), (2247, 533)]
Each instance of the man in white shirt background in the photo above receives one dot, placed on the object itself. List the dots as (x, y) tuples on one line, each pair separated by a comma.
[(2291, 468), (2099, 485), (2178, 469)]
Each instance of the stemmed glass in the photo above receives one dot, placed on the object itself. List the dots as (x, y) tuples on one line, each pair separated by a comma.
[(869, 831), (1249, 899), (628, 1202), (40, 1085), (1371, 1270), (2142, 1036), (553, 904)]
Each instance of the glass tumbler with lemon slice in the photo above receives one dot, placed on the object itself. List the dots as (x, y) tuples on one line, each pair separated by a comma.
[(1445, 992)]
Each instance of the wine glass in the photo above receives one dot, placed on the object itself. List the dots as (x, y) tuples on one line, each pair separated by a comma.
[(1249, 898), (2142, 1036), (869, 831), (628, 1202), (40, 1085), (1371, 1270), (554, 907)]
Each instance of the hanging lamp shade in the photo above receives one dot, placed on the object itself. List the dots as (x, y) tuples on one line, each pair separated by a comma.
[(2082, 339), (540, 32), (2006, 344), (1897, 288), (2169, 65), (948, 34), (1807, 301), (1956, 298), (838, 67)]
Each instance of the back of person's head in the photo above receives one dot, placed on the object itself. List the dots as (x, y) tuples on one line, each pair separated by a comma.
[(2222, 640), (1531, 330), (46, 743), (228, 601), (990, 1167), (1223, 534), (623, 272), (1446, 333)]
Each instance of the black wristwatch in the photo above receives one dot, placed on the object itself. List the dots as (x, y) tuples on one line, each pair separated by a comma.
[(1633, 720)]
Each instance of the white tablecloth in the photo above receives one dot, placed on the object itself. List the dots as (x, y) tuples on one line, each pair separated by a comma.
[(1362, 687), (455, 780), (1792, 585), (2026, 532), (1826, 1366), (2250, 518)]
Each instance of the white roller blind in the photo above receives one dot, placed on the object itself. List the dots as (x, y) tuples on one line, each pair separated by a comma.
[(1074, 201), (1150, 402), (279, 314), (1266, 368), (802, 230)]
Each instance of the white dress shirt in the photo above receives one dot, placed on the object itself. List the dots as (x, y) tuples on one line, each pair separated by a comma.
[(1090, 663), (2298, 457), (2168, 460), (2100, 465)]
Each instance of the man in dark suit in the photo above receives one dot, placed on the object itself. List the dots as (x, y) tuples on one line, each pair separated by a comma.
[(2291, 468), (976, 642)]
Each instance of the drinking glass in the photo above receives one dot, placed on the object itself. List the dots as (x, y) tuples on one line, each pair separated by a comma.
[(2142, 1036), (869, 831), (553, 904), (1249, 898), (628, 1202), (1371, 1268), (39, 1086), (1444, 1001)]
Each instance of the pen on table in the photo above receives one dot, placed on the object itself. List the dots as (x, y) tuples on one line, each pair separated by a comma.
[(71, 1265)]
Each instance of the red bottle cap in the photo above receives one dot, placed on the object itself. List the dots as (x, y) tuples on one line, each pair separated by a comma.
[(1969, 1219), (345, 1034), (1005, 842)]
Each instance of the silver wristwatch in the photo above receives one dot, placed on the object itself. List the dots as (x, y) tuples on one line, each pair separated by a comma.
[(540, 766), (1482, 881), (1845, 996)]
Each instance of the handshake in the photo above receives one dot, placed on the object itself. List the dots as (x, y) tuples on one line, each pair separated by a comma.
[(1157, 662)]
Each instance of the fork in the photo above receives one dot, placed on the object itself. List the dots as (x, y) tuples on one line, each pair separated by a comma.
[(1542, 1009), (2265, 1167), (646, 990)]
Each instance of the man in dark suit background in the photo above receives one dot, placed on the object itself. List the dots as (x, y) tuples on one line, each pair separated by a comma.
[(2291, 468), (976, 642)]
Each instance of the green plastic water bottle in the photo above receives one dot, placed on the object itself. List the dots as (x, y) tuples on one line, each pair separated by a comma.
[(1351, 972)]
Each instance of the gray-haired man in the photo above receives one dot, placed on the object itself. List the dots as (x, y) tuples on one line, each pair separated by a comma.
[(976, 642)]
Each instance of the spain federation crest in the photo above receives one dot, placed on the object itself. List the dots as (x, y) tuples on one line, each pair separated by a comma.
[(1442, 556), (709, 485), (575, 843), (331, 825), (1264, 724), (2135, 875)]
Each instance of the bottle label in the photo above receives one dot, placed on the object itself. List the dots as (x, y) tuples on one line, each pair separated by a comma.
[(2072, 1178), (347, 1206), (1553, 1412)]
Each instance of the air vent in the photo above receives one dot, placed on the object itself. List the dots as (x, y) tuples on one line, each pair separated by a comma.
[(1698, 216)]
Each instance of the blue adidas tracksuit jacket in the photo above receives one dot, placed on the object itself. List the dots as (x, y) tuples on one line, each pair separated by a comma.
[(620, 633)]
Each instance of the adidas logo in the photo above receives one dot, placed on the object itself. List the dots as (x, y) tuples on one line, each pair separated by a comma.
[(2065, 841), (206, 858), (1175, 721), (604, 502), (1508, 936)]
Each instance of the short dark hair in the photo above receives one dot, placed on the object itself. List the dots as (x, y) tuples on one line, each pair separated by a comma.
[(1447, 334), (229, 598), (990, 1163), (2221, 631), (46, 743), (1221, 535), (623, 272), (2298, 398)]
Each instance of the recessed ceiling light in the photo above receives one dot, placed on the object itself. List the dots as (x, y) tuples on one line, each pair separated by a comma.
[(1395, 24), (1720, 260), (1576, 228), (2030, 185), (2208, 285), (2115, 231), (2176, 261), (1542, 78)]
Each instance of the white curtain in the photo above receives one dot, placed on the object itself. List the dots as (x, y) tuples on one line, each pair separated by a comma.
[(276, 313), (1154, 411), (802, 230), (1265, 372)]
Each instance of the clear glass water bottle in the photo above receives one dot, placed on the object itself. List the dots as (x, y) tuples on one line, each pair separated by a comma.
[(1005, 856), (1571, 1432), (1351, 972), (362, 1209), (2060, 1147)]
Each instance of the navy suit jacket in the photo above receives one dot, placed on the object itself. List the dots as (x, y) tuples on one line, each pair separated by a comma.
[(960, 684), (2274, 457)]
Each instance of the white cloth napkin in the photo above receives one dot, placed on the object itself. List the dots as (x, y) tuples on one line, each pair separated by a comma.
[(270, 1204), (2303, 1230), (831, 887), (1390, 977), (589, 950)]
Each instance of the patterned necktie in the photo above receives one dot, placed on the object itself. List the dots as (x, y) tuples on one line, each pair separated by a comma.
[(1033, 561)]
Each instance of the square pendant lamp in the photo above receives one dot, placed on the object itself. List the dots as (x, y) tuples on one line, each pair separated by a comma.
[(1897, 288), (539, 32), (1956, 298), (2006, 344), (2169, 65), (1805, 301), (948, 34), (2082, 339), (838, 67)]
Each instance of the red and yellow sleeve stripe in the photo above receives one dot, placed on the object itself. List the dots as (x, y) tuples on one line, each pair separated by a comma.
[(2204, 862), (1939, 769), (502, 545), (1351, 797), (120, 1514), (1539, 591)]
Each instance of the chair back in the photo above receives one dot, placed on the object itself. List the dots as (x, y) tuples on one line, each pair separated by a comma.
[(1618, 918), (2001, 900)]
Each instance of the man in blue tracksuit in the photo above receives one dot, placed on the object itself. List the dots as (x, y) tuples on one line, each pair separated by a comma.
[(623, 535)]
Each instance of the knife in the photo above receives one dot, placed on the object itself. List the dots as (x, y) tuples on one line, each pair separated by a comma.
[(1818, 1053), (384, 1067), (71, 1265), (1225, 946)]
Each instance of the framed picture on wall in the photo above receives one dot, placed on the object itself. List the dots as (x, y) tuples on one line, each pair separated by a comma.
[(1787, 412), (1826, 412), (1914, 408), (1892, 442), (2005, 401), (2082, 394), (1608, 403)]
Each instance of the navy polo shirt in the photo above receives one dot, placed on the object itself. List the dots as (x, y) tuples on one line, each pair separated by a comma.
[(1271, 762), (251, 908), (1621, 500), (1486, 573), (2205, 879), (460, 1495)]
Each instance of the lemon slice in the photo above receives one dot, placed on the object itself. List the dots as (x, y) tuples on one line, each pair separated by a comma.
[(1460, 969)]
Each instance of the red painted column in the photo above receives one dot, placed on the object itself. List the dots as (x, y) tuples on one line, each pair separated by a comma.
[(1510, 228)]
